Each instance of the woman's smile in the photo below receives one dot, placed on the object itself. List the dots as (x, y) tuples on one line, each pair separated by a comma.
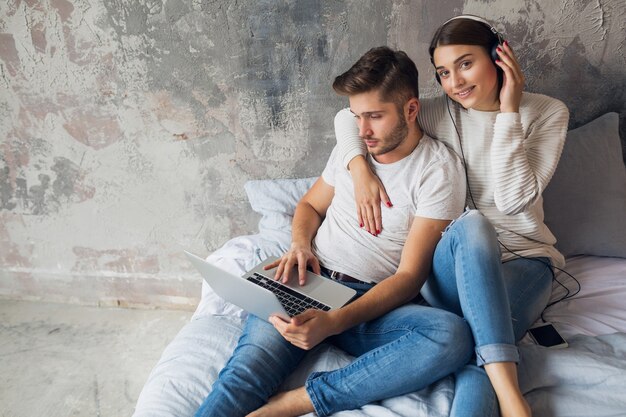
[(464, 93)]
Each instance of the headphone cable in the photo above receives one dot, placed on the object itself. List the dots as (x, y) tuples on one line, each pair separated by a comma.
[(469, 189)]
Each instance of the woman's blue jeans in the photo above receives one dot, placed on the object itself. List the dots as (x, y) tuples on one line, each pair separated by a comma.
[(500, 301), (403, 351)]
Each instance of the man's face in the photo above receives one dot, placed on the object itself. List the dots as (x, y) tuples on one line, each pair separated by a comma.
[(381, 126)]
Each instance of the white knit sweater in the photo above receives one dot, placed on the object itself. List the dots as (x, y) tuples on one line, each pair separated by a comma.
[(510, 159)]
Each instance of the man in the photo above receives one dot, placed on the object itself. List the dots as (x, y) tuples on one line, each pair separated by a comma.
[(399, 346)]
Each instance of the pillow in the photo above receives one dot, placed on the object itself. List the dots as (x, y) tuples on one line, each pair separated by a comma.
[(585, 203), (275, 201)]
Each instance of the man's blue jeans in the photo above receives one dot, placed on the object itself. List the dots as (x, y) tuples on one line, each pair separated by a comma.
[(498, 300), (403, 351)]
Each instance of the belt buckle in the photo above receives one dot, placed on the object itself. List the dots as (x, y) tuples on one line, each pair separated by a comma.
[(333, 275)]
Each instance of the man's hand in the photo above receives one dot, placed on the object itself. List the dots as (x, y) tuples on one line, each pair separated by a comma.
[(307, 218), (308, 329), (300, 255)]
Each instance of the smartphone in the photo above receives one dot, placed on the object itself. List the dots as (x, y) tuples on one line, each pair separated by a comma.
[(546, 335)]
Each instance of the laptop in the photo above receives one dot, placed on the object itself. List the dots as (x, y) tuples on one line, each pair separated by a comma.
[(258, 293)]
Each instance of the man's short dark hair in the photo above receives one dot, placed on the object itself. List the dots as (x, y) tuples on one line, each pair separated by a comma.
[(391, 72)]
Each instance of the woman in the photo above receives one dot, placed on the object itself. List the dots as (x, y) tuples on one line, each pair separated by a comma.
[(493, 265)]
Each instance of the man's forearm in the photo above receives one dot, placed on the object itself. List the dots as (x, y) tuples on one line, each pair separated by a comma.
[(405, 284), (306, 221), (387, 295)]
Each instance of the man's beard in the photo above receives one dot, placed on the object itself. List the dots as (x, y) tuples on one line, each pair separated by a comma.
[(393, 140)]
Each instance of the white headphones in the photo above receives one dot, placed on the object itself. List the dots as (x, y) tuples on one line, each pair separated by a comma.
[(498, 35)]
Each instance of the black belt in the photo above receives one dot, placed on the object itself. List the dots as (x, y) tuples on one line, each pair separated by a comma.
[(340, 276)]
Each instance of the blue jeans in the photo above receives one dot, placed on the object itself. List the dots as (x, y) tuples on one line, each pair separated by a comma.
[(402, 351), (498, 300)]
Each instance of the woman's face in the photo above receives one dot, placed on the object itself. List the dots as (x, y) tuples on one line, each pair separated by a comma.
[(468, 76)]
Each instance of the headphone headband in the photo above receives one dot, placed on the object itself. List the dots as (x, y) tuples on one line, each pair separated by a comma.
[(477, 19)]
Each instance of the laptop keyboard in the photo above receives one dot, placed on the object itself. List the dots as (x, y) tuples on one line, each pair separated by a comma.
[(293, 302)]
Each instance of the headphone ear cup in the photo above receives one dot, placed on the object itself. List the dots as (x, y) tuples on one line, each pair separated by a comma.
[(494, 58), (494, 52)]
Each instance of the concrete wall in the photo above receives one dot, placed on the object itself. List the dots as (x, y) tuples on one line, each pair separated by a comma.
[(129, 127)]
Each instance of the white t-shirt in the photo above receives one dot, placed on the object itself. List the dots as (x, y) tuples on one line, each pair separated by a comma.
[(427, 183)]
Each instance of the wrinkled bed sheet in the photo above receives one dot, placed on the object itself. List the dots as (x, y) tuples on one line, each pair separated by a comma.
[(586, 379)]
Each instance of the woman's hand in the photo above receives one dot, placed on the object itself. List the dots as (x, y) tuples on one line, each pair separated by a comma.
[(369, 193), (513, 83)]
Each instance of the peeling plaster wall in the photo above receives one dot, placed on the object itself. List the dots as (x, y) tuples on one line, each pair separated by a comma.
[(129, 127)]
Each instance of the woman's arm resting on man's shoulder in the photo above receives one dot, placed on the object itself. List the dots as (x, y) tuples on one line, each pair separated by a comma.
[(369, 192)]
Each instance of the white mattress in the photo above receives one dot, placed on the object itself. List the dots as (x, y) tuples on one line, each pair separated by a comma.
[(600, 306), (184, 374)]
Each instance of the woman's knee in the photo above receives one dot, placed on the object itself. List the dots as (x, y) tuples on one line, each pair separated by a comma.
[(475, 223), (473, 230)]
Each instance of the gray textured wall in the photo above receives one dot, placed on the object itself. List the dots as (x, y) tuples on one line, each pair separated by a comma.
[(129, 127)]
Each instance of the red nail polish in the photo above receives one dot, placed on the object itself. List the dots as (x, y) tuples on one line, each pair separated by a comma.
[(499, 49), (361, 225), (377, 232), (389, 204), (506, 43)]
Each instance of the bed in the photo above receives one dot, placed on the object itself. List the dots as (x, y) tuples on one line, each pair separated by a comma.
[(585, 206)]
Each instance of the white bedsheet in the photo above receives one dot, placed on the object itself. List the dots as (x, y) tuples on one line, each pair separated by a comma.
[(588, 379), (184, 374), (600, 306)]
